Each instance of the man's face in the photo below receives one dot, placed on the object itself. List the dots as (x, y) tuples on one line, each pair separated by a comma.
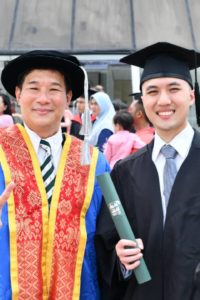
[(43, 99), (80, 105), (167, 102), (2, 106), (133, 108)]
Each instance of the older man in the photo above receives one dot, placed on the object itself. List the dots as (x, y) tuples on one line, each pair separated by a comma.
[(47, 248)]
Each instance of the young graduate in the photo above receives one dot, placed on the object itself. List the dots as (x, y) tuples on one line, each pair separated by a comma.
[(163, 213)]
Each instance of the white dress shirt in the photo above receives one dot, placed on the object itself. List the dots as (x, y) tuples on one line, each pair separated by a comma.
[(182, 143), (55, 142)]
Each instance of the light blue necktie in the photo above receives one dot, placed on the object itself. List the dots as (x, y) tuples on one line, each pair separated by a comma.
[(170, 170)]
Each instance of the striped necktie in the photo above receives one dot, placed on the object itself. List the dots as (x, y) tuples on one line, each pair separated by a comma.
[(170, 170), (48, 170)]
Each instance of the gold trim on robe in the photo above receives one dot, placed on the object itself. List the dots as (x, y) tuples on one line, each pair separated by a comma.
[(12, 228), (46, 251)]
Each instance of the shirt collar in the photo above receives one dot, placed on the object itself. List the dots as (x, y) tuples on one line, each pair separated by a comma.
[(55, 140), (178, 142)]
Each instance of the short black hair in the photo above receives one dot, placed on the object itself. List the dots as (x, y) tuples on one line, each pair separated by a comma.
[(119, 104), (22, 76), (123, 118), (7, 103)]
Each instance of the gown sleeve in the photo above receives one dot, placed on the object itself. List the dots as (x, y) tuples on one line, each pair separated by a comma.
[(112, 283), (5, 284), (89, 278)]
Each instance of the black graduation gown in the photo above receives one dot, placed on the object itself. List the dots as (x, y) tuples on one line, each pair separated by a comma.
[(172, 252), (75, 129)]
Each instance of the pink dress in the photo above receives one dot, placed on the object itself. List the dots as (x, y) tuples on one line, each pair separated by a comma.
[(6, 121), (120, 145), (146, 134), (68, 116)]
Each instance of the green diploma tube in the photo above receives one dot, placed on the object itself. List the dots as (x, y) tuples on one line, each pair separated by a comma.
[(120, 220)]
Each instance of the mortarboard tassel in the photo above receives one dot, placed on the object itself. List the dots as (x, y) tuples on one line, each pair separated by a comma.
[(197, 102), (86, 126), (74, 107), (197, 96)]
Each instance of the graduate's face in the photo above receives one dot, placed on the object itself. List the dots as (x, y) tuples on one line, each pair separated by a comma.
[(95, 107), (80, 104), (167, 102), (135, 111), (43, 98), (2, 106), (132, 108)]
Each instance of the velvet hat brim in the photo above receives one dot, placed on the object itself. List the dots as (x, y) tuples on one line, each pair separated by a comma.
[(67, 64)]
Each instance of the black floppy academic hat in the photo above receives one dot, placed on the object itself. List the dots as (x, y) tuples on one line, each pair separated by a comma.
[(164, 60), (67, 64)]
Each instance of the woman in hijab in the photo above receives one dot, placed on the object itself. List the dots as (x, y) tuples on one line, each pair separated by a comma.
[(104, 111)]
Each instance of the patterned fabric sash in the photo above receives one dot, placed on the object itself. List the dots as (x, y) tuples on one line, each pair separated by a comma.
[(46, 252)]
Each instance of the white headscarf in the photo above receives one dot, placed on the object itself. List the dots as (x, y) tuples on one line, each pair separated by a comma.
[(104, 119)]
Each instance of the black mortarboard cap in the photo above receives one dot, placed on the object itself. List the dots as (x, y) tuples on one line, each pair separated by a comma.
[(90, 93), (137, 96), (167, 60)]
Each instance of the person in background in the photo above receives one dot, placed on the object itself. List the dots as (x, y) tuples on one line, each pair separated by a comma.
[(141, 122), (5, 111), (159, 188), (16, 112), (99, 88), (48, 224), (123, 142), (76, 121), (119, 105), (66, 120), (103, 109)]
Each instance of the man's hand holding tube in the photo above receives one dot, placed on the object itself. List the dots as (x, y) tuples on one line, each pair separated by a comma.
[(122, 225), (129, 253), (4, 197)]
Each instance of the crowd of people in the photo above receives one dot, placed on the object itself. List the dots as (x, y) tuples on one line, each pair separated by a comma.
[(118, 129), (58, 240)]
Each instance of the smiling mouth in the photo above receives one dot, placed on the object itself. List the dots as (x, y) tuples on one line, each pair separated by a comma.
[(166, 113), (42, 110)]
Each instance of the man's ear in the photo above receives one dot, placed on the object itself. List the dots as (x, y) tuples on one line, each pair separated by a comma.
[(138, 114), (17, 93), (192, 97), (69, 98)]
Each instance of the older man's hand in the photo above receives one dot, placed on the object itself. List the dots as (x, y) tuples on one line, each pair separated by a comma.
[(4, 197)]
